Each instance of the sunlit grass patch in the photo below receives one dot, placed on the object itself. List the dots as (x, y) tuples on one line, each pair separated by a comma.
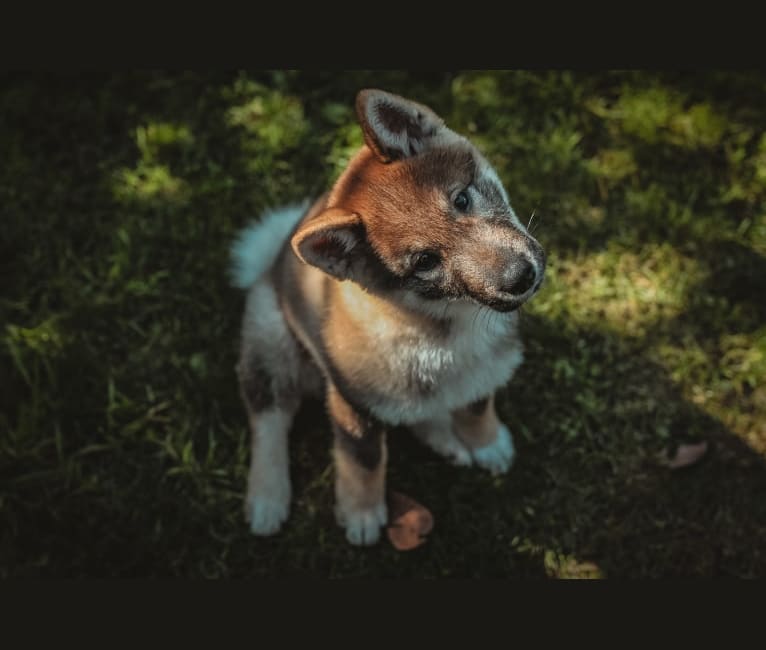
[(157, 137), (722, 378), (744, 359), (661, 114), (35, 353), (611, 167), (760, 162), (568, 567), (275, 121), (149, 182), (624, 291), (45, 339), (152, 180)]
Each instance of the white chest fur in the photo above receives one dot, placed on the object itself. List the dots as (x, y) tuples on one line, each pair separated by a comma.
[(420, 375)]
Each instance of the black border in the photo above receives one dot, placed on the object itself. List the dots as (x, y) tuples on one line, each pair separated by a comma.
[(612, 37)]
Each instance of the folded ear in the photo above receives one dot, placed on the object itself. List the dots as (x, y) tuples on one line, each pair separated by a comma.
[(332, 241), (395, 127)]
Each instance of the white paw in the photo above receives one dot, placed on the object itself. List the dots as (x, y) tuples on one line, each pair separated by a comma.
[(453, 450), (266, 515), (497, 457), (446, 444), (363, 526), (458, 455)]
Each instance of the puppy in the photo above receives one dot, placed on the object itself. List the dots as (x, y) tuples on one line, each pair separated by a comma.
[(395, 294)]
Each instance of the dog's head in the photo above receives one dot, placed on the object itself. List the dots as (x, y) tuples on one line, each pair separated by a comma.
[(419, 210)]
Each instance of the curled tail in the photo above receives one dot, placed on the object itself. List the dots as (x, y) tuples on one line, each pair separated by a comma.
[(257, 247)]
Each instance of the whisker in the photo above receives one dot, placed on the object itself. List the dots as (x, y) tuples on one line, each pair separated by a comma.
[(532, 217), (536, 225)]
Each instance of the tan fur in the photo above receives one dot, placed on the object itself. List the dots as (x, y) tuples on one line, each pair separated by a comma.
[(355, 486)]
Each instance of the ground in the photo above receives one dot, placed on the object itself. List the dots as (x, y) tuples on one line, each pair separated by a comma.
[(123, 441)]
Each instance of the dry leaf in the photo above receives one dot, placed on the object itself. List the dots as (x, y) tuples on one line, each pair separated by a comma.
[(408, 522), (687, 455)]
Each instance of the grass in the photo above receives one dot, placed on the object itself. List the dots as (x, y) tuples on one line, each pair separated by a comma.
[(123, 442)]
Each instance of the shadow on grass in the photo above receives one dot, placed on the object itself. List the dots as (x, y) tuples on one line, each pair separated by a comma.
[(606, 495)]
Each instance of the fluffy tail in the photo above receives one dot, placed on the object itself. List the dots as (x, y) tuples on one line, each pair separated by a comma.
[(258, 246)]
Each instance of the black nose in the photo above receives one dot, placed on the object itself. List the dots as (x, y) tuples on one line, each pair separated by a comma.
[(522, 278)]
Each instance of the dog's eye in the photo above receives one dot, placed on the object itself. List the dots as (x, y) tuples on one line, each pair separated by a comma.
[(461, 201), (426, 261)]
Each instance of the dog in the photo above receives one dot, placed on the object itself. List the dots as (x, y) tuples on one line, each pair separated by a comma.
[(395, 295)]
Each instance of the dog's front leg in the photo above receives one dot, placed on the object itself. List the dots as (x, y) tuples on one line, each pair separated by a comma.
[(482, 432), (360, 469)]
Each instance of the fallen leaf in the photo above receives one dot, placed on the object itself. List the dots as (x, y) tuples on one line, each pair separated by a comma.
[(408, 522), (686, 455)]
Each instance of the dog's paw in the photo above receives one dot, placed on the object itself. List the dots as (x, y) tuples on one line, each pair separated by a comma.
[(498, 456), (266, 515), (446, 444), (363, 525), (453, 450), (458, 455)]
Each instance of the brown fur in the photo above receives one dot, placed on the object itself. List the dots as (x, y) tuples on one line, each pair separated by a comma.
[(377, 198)]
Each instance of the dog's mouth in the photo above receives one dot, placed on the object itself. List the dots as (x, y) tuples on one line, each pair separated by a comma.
[(505, 306), (497, 304), (506, 303), (500, 302)]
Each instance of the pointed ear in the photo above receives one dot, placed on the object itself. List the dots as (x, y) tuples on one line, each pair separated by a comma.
[(331, 241), (395, 127)]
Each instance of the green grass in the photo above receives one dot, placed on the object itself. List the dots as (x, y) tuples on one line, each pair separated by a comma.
[(123, 442)]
